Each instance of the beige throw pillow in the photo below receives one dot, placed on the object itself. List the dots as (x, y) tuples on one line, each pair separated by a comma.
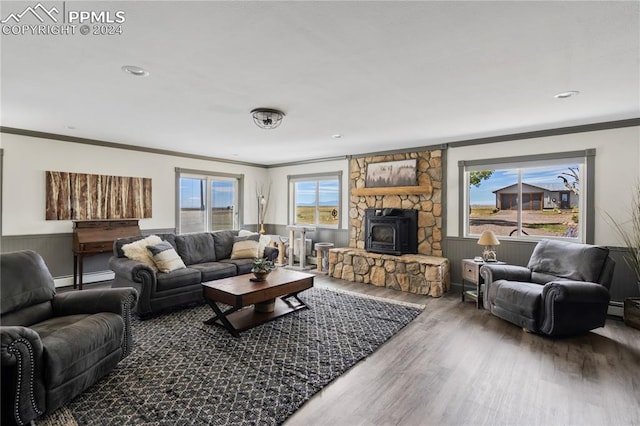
[(262, 242), (137, 250), (245, 247)]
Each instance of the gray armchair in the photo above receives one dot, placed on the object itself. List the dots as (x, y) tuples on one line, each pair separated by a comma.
[(564, 289), (54, 346)]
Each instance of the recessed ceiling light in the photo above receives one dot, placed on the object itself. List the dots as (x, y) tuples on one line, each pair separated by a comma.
[(568, 94), (70, 127), (337, 136), (134, 70)]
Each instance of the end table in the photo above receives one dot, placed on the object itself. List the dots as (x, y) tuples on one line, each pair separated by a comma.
[(471, 274)]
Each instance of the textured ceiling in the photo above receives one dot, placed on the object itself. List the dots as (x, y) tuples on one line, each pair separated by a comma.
[(385, 75)]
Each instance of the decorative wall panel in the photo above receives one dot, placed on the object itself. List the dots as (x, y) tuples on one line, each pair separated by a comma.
[(80, 196)]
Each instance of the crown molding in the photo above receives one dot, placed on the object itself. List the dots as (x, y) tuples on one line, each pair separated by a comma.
[(606, 125)]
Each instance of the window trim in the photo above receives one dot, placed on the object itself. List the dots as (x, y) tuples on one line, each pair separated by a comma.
[(180, 172), (292, 179), (589, 206)]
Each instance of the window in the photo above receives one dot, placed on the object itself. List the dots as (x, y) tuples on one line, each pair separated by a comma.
[(315, 199), (207, 202), (534, 197)]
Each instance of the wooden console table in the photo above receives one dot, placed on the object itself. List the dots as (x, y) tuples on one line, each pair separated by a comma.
[(91, 237)]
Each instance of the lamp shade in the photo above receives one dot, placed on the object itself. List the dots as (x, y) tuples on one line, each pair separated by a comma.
[(488, 238)]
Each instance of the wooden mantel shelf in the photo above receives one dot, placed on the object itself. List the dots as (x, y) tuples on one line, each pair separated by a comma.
[(392, 190)]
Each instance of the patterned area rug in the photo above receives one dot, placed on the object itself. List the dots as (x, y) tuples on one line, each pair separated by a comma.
[(184, 372)]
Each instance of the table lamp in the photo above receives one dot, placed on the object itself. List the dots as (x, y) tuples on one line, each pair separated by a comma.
[(488, 239)]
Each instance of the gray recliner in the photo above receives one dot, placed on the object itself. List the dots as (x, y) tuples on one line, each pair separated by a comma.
[(54, 346), (564, 289)]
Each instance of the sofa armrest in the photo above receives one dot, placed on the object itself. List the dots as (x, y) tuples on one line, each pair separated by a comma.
[(119, 301), (131, 273), (21, 356), (132, 270), (271, 253), (575, 292), (491, 273), (116, 300), (573, 307)]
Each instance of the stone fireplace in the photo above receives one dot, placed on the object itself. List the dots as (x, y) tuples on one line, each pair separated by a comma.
[(426, 272), (391, 231), (426, 198)]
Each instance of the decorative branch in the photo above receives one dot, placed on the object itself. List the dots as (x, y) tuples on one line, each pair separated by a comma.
[(573, 186), (263, 190)]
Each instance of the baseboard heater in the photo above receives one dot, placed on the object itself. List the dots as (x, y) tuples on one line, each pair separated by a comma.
[(87, 277), (616, 309)]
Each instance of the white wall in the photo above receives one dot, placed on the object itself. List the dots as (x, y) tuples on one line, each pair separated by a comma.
[(277, 213), (27, 158), (617, 167)]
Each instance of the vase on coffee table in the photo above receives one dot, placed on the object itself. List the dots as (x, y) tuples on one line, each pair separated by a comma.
[(260, 275)]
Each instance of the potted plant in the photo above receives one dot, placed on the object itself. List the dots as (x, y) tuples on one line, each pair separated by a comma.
[(261, 268)]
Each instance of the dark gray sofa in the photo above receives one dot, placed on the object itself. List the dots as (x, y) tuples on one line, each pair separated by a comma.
[(54, 346), (563, 290), (206, 256)]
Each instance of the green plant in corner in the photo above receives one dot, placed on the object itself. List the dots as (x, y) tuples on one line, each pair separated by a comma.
[(630, 235)]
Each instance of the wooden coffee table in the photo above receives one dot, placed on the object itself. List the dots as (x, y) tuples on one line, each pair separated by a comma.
[(271, 298)]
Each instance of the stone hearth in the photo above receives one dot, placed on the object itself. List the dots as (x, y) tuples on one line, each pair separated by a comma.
[(413, 273)]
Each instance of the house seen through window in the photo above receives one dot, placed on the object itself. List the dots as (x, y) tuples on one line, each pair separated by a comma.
[(537, 199)]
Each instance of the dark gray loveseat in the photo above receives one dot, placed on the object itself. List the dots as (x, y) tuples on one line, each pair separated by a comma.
[(206, 256), (564, 289)]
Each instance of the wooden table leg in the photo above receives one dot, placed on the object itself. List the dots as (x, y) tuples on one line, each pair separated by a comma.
[(80, 271), (222, 318), (75, 270)]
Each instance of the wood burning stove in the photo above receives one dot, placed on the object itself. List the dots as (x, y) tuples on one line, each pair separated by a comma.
[(391, 231)]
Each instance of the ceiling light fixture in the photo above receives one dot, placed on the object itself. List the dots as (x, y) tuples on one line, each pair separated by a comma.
[(134, 70), (568, 94), (267, 118), (337, 136)]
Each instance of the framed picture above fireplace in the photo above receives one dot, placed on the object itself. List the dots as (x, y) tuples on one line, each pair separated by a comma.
[(391, 174)]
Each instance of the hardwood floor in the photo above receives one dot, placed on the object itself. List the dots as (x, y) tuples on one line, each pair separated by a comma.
[(456, 365)]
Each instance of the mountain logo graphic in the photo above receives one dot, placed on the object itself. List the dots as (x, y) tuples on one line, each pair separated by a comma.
[(39, 11)]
